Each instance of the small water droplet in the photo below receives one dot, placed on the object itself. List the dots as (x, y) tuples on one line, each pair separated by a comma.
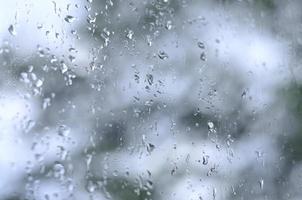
[(130, 34), (203, 56), (29, 125), (12, 30), (261, 183), (91, 19), (211, 127), (39, 26), (214, 193), (205, 160), (91, 186), (150, 147), (88, 160), (115, 173), (62, 153), (149, 40), (173, 171), (163, 55), (201, 45), (71, 49), (64, 68), (39, 83), (46, 103), (71, 58), (243, 95), (169, 25), (63, 130), (233, 191), (69, 18), (149, 78), (58, 170)]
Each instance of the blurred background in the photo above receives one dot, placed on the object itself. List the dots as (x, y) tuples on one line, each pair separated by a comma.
[(150, 99)]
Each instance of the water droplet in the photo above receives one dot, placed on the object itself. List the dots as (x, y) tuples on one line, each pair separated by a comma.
[(149, 40), (29, 125), (214, 193), (130, 34), (261, 183), (149, 78), (203, 56), (39, 83), (62, 153), (205, 160), (70, 186), (243, 95), (46, 103), (150, 147), (233, 191), (91, 19), (71, 58), (64, 68), (12, 30), (69, 18), (39, 26), (211, 127), (173, 171), (71, 49), (201, 45), (168, 25), (115, 173), (88, 160), (58, 170), (91, 186), (163, 55), (63, 130)]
